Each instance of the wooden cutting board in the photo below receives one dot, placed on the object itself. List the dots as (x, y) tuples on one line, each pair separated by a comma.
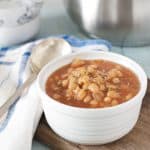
[(137, 139)]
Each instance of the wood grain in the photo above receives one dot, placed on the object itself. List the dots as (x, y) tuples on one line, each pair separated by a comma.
[(137, 139)]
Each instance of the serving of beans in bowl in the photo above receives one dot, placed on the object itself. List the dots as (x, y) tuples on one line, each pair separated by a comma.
[(92, 84), (92, 97)]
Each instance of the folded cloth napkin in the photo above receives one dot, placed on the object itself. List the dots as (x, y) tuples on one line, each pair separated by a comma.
[(18, 125)]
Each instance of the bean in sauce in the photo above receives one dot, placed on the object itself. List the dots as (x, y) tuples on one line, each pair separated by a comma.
[(92, 84)]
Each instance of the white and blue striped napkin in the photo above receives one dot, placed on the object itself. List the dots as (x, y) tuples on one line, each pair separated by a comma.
[(18, 125)]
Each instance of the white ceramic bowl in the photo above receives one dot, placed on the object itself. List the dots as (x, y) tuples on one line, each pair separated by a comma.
[(92, 126), (13, 35), (19, 21)]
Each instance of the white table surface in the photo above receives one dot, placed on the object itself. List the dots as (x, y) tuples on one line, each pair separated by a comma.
[(55, 20)]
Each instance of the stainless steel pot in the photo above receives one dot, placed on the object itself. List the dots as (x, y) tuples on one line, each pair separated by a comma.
[(123, 22)]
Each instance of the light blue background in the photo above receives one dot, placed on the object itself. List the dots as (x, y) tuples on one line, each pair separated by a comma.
[(55, 20)]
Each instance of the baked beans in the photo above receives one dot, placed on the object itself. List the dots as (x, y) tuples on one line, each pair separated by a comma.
[(92, 84)]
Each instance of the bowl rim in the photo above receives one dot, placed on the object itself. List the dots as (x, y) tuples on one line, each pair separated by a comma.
[(141, 92)]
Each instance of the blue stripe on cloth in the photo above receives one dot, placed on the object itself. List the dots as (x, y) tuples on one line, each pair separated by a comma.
[(4, 49), (76, 42), (2, 55), (23, 63), (6, 63)]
